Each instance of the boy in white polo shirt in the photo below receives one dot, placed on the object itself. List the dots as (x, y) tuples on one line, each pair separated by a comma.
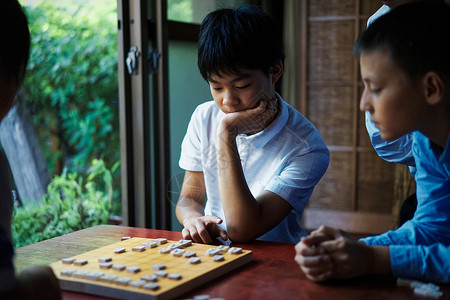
[(251, 160)]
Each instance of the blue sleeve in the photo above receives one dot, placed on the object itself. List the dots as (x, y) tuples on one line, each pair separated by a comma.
[(413, 232), (431, 221), (426, 263), (397, 151), (422, 262), (420, 248)]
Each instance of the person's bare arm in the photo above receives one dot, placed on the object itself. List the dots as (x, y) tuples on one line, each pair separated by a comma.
[(190, 211), (247, 217)]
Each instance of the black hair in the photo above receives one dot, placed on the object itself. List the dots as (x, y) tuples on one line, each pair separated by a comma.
[(415, 35), (14, 42), (231, 39)]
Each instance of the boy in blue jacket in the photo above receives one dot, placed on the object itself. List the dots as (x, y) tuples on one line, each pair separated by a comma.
[(405, 66)]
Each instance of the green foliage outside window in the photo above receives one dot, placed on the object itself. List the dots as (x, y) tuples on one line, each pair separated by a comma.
[(73, 202), (71, 90), (180, 10), (71, 82)]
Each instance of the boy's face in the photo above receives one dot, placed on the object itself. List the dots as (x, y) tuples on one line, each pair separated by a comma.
[(238, 92), (395, 103)]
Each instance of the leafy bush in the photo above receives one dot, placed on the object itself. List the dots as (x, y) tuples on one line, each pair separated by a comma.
[(71, 91), (72, 202), (71, 83)]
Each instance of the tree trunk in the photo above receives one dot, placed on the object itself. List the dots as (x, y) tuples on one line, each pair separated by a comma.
[(24, 154)]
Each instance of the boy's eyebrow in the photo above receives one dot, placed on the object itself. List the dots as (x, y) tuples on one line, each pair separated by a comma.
[(239, 78)]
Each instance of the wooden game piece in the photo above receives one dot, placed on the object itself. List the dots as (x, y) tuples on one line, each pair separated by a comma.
[(160, 241), (420, 284), (181, 244), (122, 280), (404, 282), (202, 297), (149, 277), (153, 286), (94, 275), (194, 260), (174, 276), (108, 278), (104, 259), (119, 250), (174, 246), (138, 248), (223, 248), (212, 251), (164, 250), (430, 293), (218, 257), (415, 284), (80, 262), (177, 252), (189, 254), (185, 243), (158, 267), (133, 269), (68, 261), (106, 265), (161, 273), (420, 288), (235, 250), (150, 244), (124, 238), (119, 267), (432, 286), (80, 273), (137, 283), (67, 272)]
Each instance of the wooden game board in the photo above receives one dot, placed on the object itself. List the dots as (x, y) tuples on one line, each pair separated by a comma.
[(192, 275)]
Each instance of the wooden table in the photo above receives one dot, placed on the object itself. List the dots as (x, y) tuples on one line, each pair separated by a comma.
[(273, 273)]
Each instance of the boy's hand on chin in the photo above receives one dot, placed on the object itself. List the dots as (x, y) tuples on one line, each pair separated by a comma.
[(253, 120)]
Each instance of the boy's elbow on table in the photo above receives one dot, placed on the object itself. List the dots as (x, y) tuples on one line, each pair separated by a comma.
[(239, 234)]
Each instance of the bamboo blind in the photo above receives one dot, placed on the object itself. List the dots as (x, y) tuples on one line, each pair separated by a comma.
[(358, 188)]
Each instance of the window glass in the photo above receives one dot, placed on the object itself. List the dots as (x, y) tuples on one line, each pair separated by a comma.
[(68, 111), (193, 11), (187, 88), (180, 10)]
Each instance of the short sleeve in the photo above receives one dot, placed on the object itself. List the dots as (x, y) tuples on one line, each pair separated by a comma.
[(190, 158), (301, 174)]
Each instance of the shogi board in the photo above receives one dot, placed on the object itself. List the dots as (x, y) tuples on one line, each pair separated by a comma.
[(192, 275)]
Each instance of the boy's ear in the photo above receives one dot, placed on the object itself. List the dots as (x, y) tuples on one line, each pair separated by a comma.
[(276, 71), (434, 88)]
